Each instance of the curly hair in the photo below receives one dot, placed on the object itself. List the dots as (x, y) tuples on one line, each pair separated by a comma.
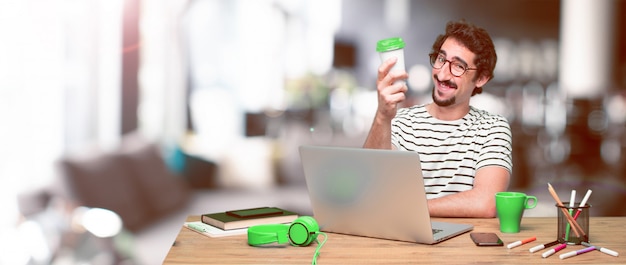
[(477, 40)]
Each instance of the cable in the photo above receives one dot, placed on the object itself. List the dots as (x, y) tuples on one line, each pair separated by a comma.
[(317, 250)]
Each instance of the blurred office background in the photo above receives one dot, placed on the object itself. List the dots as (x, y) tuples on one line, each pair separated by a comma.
[(227, 91)]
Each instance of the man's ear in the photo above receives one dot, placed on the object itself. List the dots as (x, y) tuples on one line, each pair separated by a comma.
[(482, 80)]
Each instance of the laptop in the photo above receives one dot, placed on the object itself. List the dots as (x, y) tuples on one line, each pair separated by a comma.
[(372, 193)]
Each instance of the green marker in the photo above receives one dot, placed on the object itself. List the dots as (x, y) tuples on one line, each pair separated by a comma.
[(571, 211)]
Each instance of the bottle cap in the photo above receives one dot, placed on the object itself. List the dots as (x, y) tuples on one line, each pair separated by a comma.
[(390, 44)]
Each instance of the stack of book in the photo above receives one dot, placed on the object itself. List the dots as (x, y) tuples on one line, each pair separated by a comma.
[(237, 222)]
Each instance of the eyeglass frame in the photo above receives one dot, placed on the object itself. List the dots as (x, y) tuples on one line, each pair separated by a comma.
[(433, 57)]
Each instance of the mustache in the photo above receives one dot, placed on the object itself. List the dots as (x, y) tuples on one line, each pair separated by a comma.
[(446, 83)]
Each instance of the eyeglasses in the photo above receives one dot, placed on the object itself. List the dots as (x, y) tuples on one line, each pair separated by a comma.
[(437, 60)]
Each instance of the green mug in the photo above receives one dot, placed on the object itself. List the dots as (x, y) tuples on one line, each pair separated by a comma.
[(510, 207)]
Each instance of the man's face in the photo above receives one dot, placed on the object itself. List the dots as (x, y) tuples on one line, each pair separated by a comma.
[(449, 89)]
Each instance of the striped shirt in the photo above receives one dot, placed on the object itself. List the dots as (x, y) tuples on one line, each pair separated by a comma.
[(452, 151)]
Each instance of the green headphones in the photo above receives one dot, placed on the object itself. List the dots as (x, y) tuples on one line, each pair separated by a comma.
[(302, 232)]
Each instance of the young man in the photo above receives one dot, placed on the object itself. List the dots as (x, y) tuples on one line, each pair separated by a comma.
[(465, 152)]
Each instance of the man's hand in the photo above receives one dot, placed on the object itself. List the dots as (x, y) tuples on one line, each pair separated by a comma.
[(389, 94), (480, 201)]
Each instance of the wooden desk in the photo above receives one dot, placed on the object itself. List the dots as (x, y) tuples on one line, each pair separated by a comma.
[(193, 248)]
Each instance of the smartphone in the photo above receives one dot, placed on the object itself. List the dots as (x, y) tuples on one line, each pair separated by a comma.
[(486, 239), (256, 212)]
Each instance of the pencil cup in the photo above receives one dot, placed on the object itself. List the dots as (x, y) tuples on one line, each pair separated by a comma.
[(575, 230)]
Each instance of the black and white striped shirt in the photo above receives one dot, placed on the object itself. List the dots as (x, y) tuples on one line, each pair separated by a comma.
[(452, 151)]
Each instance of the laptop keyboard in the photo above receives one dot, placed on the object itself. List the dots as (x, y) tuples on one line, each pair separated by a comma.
[(435, 231)]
